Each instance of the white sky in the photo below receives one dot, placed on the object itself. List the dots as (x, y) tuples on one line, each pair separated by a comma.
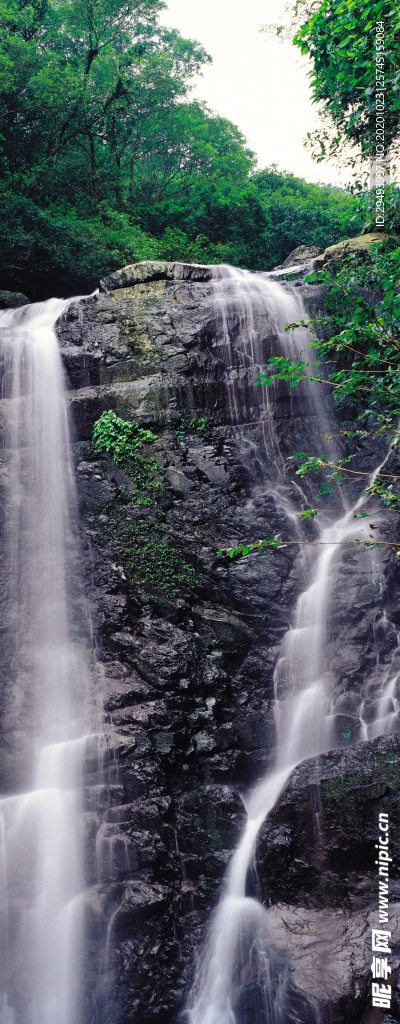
[(258, 83)]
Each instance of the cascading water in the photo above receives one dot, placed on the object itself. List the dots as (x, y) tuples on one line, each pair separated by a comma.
[(45, 727), (253, 312), (240, 944)]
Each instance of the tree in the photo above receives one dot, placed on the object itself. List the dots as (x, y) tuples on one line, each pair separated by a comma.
[(301, 212), (340, 38), (90, 77), (105, 159)]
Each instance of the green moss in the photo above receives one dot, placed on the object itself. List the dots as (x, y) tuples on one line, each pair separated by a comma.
[(345, 794), (201, 427), (388, 769), (341, 794), (150, 560), (332, 890)]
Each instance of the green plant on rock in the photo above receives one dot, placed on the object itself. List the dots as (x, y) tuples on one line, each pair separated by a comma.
[(387, 768), (201, 427), (123, 441), (150, 560)]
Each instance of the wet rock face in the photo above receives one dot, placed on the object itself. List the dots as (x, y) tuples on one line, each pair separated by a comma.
[(187, 678), (155, 348), (317, 862)]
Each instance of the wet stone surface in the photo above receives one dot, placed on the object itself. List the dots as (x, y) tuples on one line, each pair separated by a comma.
[(187, 681)]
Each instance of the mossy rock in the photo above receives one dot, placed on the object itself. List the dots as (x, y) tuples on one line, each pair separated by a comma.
[(12, 300), (359, 244)]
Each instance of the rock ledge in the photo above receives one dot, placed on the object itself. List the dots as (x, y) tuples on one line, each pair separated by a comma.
[(149, 270)]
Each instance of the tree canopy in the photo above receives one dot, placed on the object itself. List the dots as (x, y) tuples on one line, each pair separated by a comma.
[(106, 159)]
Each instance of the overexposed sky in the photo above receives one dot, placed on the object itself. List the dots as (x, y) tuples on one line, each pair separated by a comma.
[(258, 83)]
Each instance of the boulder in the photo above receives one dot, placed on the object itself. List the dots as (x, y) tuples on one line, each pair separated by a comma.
[(150, 270), (359, 244), (12, 300), (300, 255)]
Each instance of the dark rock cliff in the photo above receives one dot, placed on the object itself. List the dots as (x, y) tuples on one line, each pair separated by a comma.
[(186, 672)]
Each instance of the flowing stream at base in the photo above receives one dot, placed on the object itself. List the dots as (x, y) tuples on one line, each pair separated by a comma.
[(45, 729), (240, 941)]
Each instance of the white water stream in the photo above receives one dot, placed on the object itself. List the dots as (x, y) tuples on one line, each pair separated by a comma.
[(239, 937), (253, 312), (45, 732)]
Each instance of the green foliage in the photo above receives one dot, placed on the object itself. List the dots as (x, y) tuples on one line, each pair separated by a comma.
[(285, 369), (302, 213), (105, 159), (362, 364), (339, 36), (338, 303), (153, 563), (362, 354), (199, 426), (241, 550), (312, 464), (150, 561), (44, 251), (361, 358), (123, 440), (365, 208), (309, 513)]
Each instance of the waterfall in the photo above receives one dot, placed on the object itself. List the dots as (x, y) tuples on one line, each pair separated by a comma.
[(45, 726), (49, 723), (253, 308), (252, 312)]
